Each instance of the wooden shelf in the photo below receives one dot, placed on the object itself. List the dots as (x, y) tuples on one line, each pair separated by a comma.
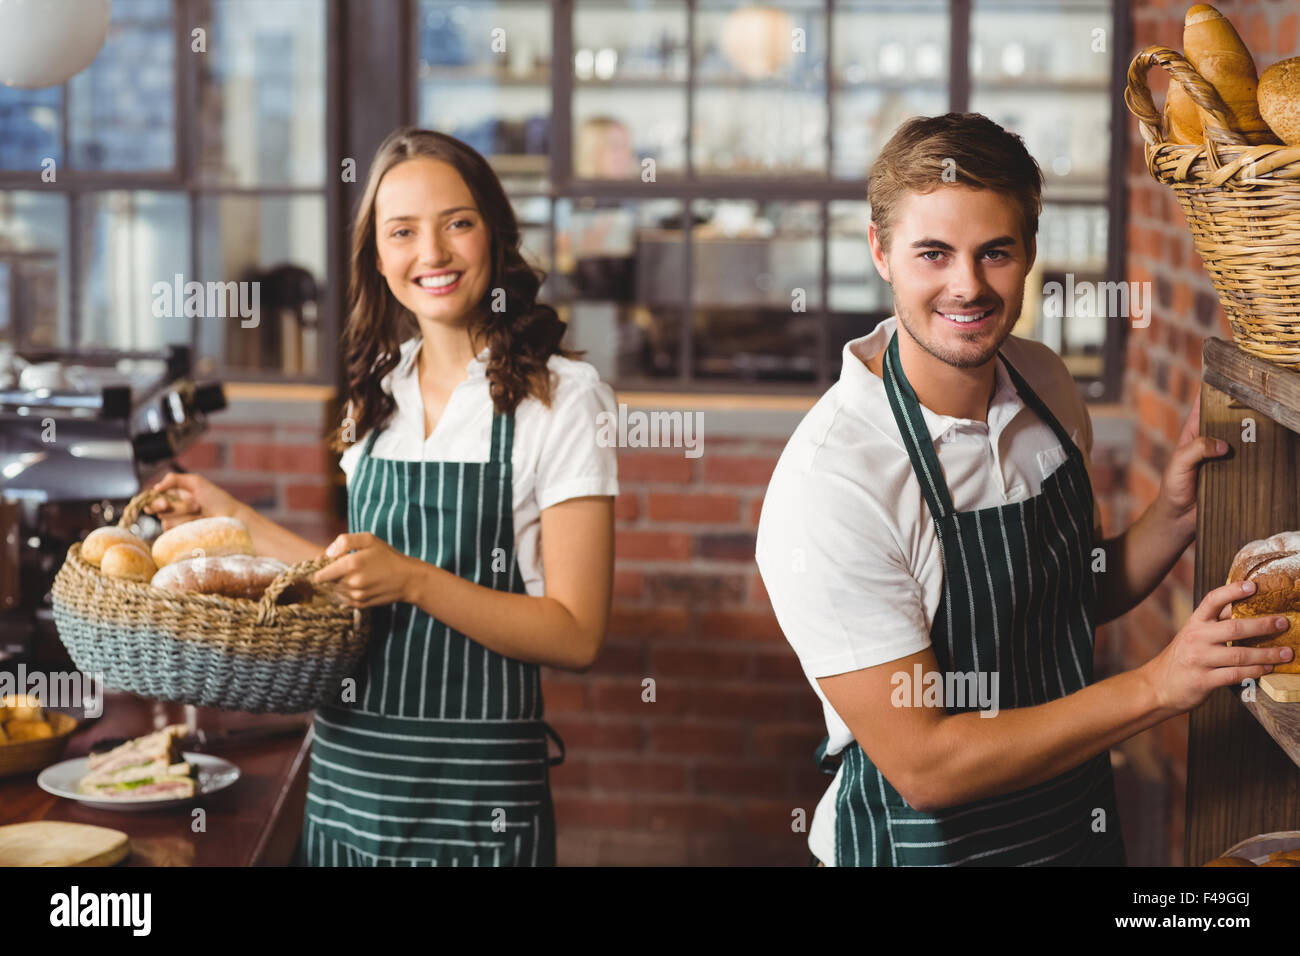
[(1243, 759)]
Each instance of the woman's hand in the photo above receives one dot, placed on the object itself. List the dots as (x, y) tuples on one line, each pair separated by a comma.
[(200, 499), (368, 571)]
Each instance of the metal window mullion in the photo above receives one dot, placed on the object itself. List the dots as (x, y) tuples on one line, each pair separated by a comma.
[(686, 345), (959, 82), (1113, 345), (327, 319), (823, 332), (74, 271)]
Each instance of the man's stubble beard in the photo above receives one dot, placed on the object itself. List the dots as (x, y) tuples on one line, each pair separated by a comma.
[(943, 355)]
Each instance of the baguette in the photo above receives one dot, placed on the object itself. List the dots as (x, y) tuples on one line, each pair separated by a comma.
[(203, 537), (1213, 47)]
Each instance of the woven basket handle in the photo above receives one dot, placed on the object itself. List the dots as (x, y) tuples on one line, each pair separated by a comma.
[(1215, 119), (137, 504), (266, 606)]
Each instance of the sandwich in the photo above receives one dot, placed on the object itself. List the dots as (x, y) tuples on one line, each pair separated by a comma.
[(149, 767), (1273, 564)]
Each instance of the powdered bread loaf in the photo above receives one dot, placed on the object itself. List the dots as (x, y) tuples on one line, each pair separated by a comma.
[(101, 539), (234, 575), (204, 537), (128, 561), (1273, 564)]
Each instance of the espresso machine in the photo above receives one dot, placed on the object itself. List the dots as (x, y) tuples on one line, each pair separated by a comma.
[(81, 432)]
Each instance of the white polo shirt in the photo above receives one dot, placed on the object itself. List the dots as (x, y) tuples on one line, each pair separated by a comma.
[(555, 456), (846, 545)]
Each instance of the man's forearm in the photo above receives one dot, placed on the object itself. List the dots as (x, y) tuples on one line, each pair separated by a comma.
[(978, 757), (1139, 559)]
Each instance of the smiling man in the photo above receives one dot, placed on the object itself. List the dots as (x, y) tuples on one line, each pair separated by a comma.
[(932, 522)]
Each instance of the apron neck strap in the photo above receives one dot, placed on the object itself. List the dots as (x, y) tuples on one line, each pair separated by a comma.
[(503, 436), (916, 433)]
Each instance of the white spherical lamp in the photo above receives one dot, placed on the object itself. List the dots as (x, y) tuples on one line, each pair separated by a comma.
[(44, 42), (757, 40)]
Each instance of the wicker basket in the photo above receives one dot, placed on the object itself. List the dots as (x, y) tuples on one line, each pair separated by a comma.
[(208, 649), (1242, 203), (28, 755)]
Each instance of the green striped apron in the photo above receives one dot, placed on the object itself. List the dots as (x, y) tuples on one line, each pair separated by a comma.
[(442, 759), (1018, 599)]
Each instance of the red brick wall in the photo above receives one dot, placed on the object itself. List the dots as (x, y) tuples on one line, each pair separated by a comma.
[(713, 770)]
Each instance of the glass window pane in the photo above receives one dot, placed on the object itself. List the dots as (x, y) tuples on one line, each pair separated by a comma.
[(1038, 69), (1063, 307), (855, 285), (890, 63), (629, 97), (278, 243), (760, 94), (621, 262), (34, 258), (133, 246), (1027, 42), (262, 94), (121, 109), (757, 290), (484, 77), (29, 127)]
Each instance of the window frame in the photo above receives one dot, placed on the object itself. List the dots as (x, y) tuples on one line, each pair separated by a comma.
[(824, 191)]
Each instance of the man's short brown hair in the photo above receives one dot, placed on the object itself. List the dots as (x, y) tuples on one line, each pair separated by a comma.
[(971, 149)]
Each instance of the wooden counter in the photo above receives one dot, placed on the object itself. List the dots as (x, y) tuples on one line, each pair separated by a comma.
[(253, 822), (1243, 759)]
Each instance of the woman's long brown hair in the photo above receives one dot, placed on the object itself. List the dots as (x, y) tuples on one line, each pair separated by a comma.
[(522, 337)]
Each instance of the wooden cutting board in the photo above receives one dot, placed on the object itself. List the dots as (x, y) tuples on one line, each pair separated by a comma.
[(49, 843), (1282, 687)]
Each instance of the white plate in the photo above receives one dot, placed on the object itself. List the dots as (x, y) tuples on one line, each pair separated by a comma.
[(1257, 848), (212, 774)]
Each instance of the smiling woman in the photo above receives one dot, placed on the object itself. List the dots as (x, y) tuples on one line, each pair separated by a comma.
[(473, 461)]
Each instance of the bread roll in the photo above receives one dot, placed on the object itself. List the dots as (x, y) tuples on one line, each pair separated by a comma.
[(128, 561), (1279, 99), (1273, 564), (101, 539), (1229, 861), (234, 575), (204, 537), (1212, 46), (21, 707), (20, 730), (1281, 863)]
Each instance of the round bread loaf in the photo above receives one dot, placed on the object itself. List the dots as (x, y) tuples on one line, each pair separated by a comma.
[(101, 539), (1279, 99), (234, 575), (128, 561), (203, 537)]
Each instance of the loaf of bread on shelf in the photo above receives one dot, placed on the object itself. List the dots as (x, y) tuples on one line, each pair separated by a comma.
[(203, 537), (1279, 99), (1273, 564), (129, 562), (1213, 47), (232, 575), (101, 539)]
